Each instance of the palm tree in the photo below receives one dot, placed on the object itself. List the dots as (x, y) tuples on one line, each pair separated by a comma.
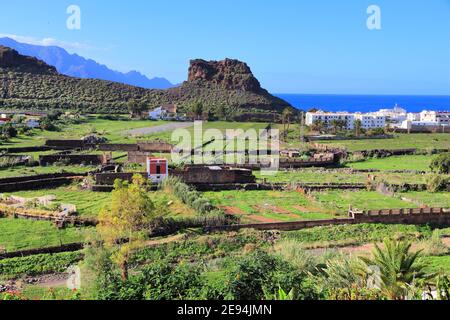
[(399, 268), (286, 116), (335, 125), (318, 125), (358, 126)]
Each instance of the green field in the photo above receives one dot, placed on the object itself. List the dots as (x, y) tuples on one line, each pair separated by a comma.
[(267, 206), (440, 199), (20, 171), (18, 234), (113, 130), (413, 162), (324, 176), (88, 203), (340, 201), (401, 141), (221, 126)]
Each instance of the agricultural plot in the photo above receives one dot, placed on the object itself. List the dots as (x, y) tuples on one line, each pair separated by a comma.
[(269, 206), (21, 171), (339, 201), (335, 176), (413, 162), (113, 130), (19, 234), (401, 141), (90, 203), (440, 199)]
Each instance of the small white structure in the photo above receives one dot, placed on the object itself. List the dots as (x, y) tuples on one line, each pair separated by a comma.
[(164, 112), (157, 169)]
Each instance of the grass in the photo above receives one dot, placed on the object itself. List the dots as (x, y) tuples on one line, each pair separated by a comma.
[(113, 130), (21, 171), (88, 203), (38, 264), (340, 201), (272, 205), (412, 162), (19, 234), (325, 176), (401, 141), (437, 264), (222, 126), (439, 199), (330, 236)]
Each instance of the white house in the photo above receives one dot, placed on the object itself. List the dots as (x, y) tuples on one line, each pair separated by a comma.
[(164, 112)]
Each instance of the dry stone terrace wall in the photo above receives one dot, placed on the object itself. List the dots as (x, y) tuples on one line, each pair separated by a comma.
[(37, 182), (435, 216), (75, 159)]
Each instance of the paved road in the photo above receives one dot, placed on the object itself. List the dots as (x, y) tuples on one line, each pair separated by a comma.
[(159, 129)]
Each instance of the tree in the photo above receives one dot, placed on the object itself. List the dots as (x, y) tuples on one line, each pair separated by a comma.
[(399, 268), (124, 225), (8, 131), (441, 164), (318, 125), (358, 126), (286, 117), (197, 110), (335, 125), (136, 107)]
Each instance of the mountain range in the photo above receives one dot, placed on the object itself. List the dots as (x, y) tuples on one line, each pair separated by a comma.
[(74, 65)]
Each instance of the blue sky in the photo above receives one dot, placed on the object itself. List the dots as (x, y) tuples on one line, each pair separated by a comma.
[(292, 46)]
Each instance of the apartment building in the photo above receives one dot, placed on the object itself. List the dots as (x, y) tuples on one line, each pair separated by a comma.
[(437, 117), (371, 121), (368, 120), (327, 118)]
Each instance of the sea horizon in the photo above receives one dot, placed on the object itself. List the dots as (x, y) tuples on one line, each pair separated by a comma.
[(366, 103)]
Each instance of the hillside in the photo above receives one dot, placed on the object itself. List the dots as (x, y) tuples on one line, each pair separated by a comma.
[(74, 65), (226, 88)]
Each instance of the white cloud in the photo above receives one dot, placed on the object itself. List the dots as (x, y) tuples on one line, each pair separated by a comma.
[(69, 46)]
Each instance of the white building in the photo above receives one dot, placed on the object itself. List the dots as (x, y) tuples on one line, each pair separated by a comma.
[(438, 118), (395, 115), (327, 118), (368, 120), (413, 117), (371, 121)]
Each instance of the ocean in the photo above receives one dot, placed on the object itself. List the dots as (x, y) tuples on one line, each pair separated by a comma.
[(366, 103)]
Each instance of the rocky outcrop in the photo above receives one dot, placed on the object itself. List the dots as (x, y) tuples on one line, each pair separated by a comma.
[(12, 60), (227, 74)]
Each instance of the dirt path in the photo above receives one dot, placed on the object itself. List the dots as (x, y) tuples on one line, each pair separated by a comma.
[(158, 129)]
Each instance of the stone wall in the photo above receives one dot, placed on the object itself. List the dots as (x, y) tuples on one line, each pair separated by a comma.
[(209, 175), (108, 179), (65, 144), (73, 159), (435, 216)]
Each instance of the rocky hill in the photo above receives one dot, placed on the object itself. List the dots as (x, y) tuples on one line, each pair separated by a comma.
[(11, 60), (226, 88)]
